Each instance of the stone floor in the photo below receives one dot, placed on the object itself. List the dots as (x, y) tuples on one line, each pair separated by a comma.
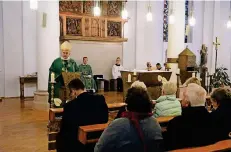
[(24, 129)]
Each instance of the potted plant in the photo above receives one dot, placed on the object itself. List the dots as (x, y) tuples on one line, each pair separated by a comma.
[(220, 78)]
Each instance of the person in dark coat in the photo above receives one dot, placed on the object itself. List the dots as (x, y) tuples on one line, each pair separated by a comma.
[(192, 128), (84, 109), (221, 116), (136, 130)]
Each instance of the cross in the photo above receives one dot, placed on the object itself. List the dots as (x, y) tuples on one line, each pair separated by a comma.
[(216, 43)]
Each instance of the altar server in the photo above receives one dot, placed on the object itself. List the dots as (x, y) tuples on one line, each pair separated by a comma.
[(117, 74)]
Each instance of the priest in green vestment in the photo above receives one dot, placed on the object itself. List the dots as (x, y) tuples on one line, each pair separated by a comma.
[(59, 65), (87, 75)]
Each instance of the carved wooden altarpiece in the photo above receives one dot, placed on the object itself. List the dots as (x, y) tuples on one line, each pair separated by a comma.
[(77, 21)]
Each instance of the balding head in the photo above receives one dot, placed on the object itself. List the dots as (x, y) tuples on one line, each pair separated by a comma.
[(195, 95)]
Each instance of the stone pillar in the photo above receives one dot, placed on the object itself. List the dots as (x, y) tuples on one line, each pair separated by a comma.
[(47, 48), (176, 33)]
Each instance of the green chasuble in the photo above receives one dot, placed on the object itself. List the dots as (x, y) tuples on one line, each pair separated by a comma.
[(58, 66), (87, 76)]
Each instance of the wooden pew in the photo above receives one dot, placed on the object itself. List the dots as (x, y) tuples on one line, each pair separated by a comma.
[(111, 107), (224, 145), (91, 133), (52, 119)]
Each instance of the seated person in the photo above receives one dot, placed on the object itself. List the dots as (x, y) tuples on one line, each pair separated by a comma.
[(158, 66), (117, 74), (167, 104), (187, 82), (84, 109), (166, 67), (149, 67), (193, 127), (136, 84), (87, 75), (221, 122), (192, 80), (136, 130)]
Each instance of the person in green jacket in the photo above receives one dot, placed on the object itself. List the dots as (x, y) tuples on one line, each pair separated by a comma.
[(167, 104), (87, 75), (59, 65)]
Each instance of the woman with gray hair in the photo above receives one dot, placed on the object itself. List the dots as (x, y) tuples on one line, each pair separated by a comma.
[(193, 127)]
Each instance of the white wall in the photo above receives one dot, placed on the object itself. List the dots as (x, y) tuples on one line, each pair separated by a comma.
[(148, 45), (1, 54), (145, 41), (101, 56), (18, 52)]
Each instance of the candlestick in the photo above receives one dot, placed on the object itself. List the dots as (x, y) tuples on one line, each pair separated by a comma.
[(129, 78), (193, 75), (52, 77), (134, 73), (52, 94)]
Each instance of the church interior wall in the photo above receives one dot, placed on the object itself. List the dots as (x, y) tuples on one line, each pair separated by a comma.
[(101, 56), (17, 47), (1, 54), (145, 41)]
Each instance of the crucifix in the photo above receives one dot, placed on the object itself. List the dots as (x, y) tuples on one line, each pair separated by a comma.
[(216, 43)]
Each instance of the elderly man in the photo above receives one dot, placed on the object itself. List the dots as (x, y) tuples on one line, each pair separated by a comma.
[(59, 65), (149, 66), (193, 127)]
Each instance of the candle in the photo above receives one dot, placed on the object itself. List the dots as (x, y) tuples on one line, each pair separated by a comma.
[(134, 73), (52, 77), (193, 75), (129, 78), (198, 76), (178, 71)]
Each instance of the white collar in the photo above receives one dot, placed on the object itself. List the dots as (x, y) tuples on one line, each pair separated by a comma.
[(65, 59)]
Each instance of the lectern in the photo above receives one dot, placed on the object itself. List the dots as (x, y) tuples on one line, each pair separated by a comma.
[(67, 77)]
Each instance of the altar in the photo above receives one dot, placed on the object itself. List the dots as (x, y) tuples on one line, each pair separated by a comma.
[(150, 79)]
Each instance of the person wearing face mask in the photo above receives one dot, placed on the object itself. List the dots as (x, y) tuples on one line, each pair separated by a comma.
[(59, 65), (84, 109)]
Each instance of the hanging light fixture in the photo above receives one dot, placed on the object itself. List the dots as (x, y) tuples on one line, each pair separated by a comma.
[(149, 14), (34, 4), (96, 9), (228, 24), (171, 17), (192, 20), (124, 13)]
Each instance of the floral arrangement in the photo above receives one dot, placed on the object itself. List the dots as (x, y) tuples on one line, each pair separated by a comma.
[(220, 78)]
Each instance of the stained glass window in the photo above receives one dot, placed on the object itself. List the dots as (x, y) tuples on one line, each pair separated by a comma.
[(165, 22)]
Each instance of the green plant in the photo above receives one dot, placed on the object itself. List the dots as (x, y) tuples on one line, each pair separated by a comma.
[(220, 78)]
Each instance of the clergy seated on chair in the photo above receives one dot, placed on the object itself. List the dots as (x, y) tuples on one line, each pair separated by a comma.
[(87, 75), (167, 104), (83, 109), (59, 65), (149, 67), (159, 67), (117, 74), (136, 130), (193, 127)]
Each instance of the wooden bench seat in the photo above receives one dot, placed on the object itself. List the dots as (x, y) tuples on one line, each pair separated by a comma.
[(85, 131), (224, 145)]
